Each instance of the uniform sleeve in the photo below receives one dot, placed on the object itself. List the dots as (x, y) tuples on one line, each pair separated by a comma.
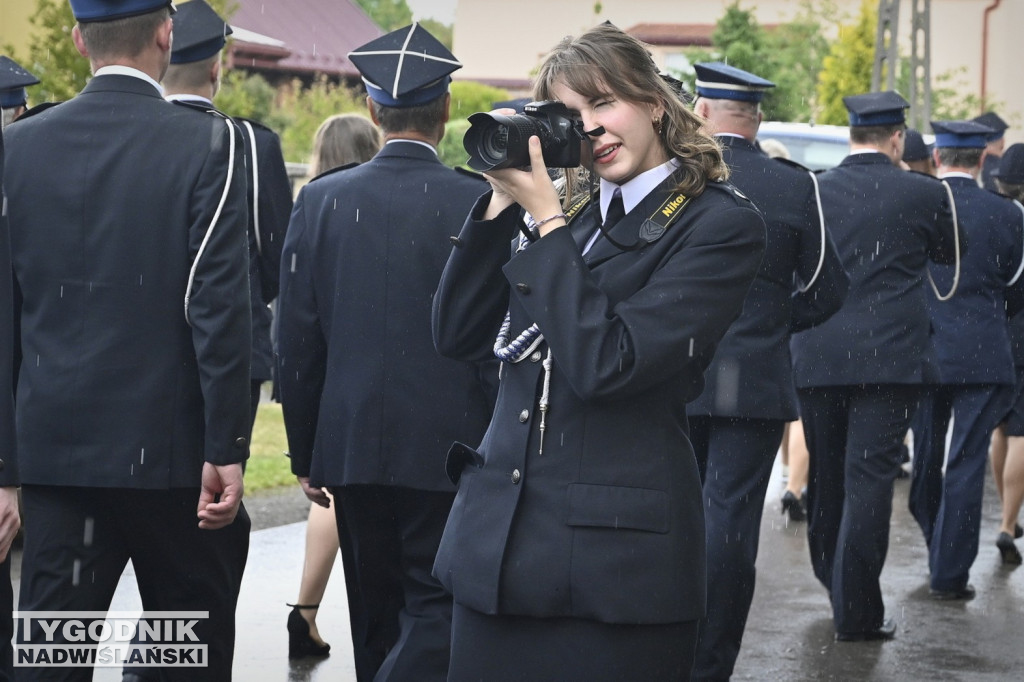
[(472, 295), (8, 453), (302, 348), (819, 265), (275, 206), (217, 306), (676, 319)]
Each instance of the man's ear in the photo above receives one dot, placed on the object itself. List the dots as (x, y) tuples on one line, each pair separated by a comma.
[(76, 36), (447, 107), (165, 35), (373, 115)]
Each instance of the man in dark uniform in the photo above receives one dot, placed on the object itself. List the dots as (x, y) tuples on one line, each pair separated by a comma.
[(736, 424), (10, 519), (917, 153), (129, 255), (994, 143), (369, 405), (976, 375), (13, 97), (858, 375), (194, 77)]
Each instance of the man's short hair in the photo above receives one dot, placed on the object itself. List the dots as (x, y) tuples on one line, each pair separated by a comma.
[(425, 118), (874, 134), (191, 76), (960, 157), (126, 37)]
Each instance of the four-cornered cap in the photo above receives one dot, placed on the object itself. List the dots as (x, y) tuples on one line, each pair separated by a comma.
[(199, 32), (108, 10), (405, 68), (915, 148), (876, 108), (717, 80), (13, 81), (963, 134), (992, 120), (1011, 165)]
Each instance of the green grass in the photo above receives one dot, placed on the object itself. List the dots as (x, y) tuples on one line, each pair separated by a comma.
[(268, 467)]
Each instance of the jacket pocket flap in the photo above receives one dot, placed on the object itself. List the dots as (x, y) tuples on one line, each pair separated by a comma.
[(611, 506), (459, 455)]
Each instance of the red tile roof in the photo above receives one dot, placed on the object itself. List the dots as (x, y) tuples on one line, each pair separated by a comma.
[(316, 35), (673, 34)]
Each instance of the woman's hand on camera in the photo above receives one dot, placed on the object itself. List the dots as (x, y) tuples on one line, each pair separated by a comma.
[(530, 187)]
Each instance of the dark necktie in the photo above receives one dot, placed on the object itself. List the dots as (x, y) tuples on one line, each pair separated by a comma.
[(615, 211)]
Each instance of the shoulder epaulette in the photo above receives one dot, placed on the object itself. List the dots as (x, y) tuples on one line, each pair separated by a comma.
[(37, 109), (253, 123), (198, 106), (470, 173), (924, 175), (730, 188), (335, 170)]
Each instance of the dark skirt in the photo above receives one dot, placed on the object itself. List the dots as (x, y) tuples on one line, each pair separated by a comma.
[(517, 648), (1014, 419)]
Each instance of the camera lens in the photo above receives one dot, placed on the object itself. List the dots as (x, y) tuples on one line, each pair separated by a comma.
[(495, 142)]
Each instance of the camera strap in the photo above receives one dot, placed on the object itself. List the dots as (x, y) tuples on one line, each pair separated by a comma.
[(654, 227)]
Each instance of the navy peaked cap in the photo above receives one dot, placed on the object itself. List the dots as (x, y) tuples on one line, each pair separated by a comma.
[(993, 121), (718, 80), (963, 134), (915, 148), (876, 108), (405, 68), (108, 10), (13, 80), (199, 32), (1011, 165)]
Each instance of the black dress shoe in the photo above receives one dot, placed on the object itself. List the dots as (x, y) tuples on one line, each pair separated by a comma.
[(886, 631), (793, 505), (962, 594), (1008, 550), (300, 643)]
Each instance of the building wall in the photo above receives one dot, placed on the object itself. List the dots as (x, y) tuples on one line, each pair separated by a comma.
[(14, 24), (499, 40)]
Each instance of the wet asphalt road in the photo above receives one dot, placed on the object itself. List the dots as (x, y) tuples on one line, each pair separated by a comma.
[(789, 633)]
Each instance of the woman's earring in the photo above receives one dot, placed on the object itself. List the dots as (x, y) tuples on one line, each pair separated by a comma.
[(657, 125)]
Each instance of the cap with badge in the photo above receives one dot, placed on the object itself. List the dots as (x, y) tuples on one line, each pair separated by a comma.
[(199, 32), (960, 134), (876, 108), (915, 148), (1011, 165), (993, 121), (718, 80), (405, 68), (108, 10), (13, 81)]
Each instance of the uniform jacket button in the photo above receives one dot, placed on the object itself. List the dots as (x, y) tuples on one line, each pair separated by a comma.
[(1, 465), (516, 476), (523, 416), (523, 288), (535, 356), (240, 443)]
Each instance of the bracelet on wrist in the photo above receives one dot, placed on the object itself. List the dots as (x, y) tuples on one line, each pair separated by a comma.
[(538, 223)]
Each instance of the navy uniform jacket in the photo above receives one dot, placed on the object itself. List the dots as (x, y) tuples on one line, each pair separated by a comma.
[(607, 523), (887, 223), (990, 164), (8, 462), (270, 202), (110, 213), (367, 399), (970, 331), (751, 374)]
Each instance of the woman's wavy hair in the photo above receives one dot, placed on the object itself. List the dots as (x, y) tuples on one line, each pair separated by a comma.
[(605, 60)]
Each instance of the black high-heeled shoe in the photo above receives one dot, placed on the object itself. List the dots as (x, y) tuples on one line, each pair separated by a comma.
[(300, 643), (793, 505), (1008, 551)]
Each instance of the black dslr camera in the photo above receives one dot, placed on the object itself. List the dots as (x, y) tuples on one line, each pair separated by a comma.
[(495, 141)]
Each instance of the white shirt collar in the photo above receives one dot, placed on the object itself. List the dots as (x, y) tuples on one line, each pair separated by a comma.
[(865, 150), (121, 70), (182, 97), (634, 191), (956, 174), (430, 147)]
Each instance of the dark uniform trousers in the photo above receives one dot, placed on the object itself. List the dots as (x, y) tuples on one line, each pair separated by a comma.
[(86, 536), (394, 534), (855, 437), (735, 457), (948, 508)]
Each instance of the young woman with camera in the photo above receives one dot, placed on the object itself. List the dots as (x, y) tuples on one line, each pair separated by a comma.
[(575, 547)]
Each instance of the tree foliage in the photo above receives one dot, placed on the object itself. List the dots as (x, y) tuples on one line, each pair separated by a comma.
[(388, 14), (847, 67), (52, 55)]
